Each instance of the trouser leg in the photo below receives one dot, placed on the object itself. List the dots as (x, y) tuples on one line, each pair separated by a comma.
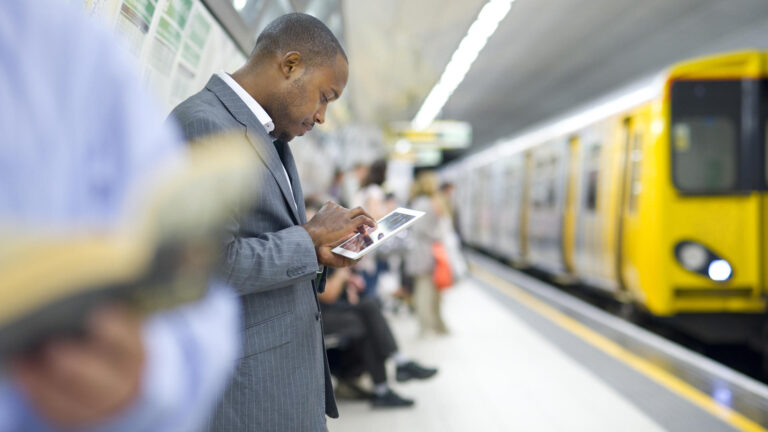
[(424, 301), (372, 362), (437, 312), (377, 327)]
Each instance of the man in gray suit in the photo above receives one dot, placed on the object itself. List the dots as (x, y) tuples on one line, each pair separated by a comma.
[(273, 256)]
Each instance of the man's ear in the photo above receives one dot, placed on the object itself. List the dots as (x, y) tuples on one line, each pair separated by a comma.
[(291, 64)]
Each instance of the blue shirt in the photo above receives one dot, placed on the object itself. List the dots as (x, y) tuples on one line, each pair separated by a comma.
[(77, 133)]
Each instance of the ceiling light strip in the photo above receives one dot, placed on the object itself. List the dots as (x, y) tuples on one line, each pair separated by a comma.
[(469, 48)]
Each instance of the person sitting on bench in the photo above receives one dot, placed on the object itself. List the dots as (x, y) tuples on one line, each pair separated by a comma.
[(360, 322)]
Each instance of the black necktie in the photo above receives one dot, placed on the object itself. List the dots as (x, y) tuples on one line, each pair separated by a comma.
[(281, 146)]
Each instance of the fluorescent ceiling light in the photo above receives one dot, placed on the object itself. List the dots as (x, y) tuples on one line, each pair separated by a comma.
[(239, 4), (469, 48)]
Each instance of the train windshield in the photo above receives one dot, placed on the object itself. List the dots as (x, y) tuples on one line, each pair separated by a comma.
[(705, 135)]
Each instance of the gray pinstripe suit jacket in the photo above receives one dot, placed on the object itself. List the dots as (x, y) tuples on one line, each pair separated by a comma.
[(282, 382)]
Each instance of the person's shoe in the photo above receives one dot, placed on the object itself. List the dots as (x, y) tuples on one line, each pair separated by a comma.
[(413, 370), (390, 399), (350, 390)]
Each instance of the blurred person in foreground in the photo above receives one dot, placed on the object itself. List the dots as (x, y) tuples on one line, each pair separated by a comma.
[(420, 264), (274, 257), (359, 320), (78, 134)]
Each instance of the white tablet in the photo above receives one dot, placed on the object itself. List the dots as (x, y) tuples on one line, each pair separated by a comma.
[(389, 225)]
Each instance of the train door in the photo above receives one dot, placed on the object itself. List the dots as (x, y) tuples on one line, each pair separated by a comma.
[(474, 221), (525, 208), (548, 184), (498, 209), (587, 246), (595, 255), (763, 174), (462, 178), (571, 203), (481, 220), (513, 207), (539, 227), (634, 242)]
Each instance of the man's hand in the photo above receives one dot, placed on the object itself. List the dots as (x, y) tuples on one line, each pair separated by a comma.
[(330, 259), (333, 225), (79, 382)]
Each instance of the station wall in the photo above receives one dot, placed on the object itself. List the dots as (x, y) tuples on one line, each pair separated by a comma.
[(177, 43)]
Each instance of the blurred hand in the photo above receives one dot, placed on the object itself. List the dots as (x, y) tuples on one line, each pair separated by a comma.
[(333, 225), (357, 282), (353, 297), (355, 285), (76, 382)]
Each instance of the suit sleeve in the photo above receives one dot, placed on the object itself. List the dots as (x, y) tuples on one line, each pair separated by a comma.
[(270, 260)]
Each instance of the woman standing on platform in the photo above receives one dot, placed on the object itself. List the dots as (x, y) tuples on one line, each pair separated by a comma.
[(421, 262)]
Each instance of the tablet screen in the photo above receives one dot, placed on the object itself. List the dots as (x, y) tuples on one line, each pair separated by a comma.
[(387, 225)]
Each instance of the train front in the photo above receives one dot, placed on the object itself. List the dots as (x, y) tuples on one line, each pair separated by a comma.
[(714, 220)]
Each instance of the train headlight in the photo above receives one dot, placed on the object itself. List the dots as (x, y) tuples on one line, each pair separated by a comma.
[(719, 270), (695, 257)]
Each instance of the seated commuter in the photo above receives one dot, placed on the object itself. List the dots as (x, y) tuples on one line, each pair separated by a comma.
[(362, 324)]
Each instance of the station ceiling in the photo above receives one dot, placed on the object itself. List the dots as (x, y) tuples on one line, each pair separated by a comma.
[(547, 56)]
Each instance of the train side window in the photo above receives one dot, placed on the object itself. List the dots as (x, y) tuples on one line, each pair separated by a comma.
[(593, 166), (513, 182), (552, 182), (539, 192), (636, 159), (536, 185)]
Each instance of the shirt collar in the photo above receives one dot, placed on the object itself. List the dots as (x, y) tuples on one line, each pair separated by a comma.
[(254, 106)]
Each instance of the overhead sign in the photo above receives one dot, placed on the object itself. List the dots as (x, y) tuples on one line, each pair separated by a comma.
[(441, 134), (428, 157)]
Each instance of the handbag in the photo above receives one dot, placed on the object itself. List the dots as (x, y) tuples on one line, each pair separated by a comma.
[(442, 275)]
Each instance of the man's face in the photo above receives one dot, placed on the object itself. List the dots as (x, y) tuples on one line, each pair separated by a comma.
[(303, 101)]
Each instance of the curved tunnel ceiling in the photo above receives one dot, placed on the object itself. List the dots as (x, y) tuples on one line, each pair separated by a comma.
[(547, 56)]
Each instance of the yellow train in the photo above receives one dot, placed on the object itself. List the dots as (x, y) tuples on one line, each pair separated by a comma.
[(656, 196)]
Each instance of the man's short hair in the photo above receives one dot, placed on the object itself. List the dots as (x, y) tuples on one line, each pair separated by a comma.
[(303, 33)]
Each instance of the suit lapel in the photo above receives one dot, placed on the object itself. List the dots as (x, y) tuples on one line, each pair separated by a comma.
[(259, 139)]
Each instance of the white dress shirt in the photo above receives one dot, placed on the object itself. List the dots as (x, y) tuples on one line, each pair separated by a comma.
[(259, 112)]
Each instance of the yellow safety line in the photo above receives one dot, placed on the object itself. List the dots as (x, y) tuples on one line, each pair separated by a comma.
[(666, 379)]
